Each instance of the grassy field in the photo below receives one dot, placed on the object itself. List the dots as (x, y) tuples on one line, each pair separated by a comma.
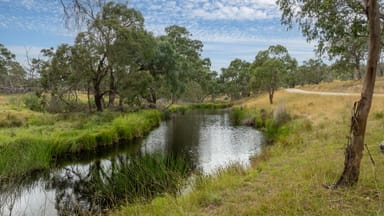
[(350, 86), (31, 141), (288, 178)]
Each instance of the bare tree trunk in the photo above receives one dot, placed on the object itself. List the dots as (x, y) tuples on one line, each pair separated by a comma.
[(271, 93), (356, 72), (112, 89), (355, 147), (97, 94), (89, 97)]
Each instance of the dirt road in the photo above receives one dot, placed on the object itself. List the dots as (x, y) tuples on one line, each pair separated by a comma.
[(300, 91)]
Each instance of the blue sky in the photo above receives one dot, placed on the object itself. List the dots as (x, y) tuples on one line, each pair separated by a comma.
[(229, 29)]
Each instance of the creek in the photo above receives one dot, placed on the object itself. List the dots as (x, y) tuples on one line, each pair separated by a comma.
[(206, 140)]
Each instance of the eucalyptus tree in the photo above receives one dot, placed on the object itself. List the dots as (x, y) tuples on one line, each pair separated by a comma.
[(190, 66), (332, 20), (312, 71), (12, 74), (236, 78), (97, 45), (339, 27), (58, 76), (271, 68)]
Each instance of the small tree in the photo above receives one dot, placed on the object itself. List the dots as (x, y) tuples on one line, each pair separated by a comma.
[(270, 69)]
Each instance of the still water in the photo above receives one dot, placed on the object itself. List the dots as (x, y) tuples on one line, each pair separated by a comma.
[(206, 139)]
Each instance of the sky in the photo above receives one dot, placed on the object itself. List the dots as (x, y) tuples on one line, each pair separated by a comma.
[(229, 29)]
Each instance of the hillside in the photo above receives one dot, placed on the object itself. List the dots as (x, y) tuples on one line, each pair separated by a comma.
[(288, 178)]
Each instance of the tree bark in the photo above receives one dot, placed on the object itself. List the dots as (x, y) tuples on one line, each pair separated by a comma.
[(112, 89), (98, 96), (271, 93), (355, 147), (356, 72), (89, 97)]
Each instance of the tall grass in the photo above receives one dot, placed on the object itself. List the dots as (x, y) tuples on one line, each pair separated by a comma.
[(273, 124), (127, 179)]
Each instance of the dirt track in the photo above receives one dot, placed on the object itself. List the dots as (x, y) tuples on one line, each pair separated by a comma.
[(300, 91)]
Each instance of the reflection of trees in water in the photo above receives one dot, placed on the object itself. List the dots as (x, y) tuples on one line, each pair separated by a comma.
[(12, 188), (9, 200), (91, 188), (102, 184), (182, 136)]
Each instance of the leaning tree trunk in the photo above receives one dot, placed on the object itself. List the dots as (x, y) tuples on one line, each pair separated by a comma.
[(355, 147)]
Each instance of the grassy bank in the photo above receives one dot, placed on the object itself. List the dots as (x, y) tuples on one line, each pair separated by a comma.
[(288, 177), (39, 139), (178, 108), (31, 141)]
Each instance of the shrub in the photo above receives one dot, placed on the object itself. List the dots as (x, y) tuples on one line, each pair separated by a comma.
[(35, 102), (237, 115)]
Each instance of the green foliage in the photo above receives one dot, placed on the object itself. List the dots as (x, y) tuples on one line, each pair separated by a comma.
[(237, 115), (339, 28), (35, 102), (274, 126), (12, 74), (236, 79), (271, 69), (208, 106), (312, 72)]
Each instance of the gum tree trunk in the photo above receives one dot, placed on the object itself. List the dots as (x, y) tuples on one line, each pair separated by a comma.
[(355, 147)]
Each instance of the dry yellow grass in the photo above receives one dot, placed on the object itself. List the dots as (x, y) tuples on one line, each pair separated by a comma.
[(350, 86), (288, 178)]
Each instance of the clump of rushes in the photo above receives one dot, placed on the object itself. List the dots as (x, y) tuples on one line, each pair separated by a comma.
[(138, 178), (37, 147), (272, 124)]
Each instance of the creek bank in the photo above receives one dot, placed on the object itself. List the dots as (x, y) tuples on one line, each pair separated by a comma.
[(36, 148)]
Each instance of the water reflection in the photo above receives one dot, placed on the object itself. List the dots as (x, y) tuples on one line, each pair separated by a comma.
[(205, 140)]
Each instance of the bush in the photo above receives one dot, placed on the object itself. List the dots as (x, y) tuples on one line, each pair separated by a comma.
[(237, 115), (35, 102)]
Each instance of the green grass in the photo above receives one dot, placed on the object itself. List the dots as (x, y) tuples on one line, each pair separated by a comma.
[(176, 108), (37, 144)]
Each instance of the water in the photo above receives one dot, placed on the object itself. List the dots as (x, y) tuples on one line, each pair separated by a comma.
[(205, 139)]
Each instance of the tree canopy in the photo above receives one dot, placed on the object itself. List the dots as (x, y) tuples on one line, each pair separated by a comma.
[(339, 27)]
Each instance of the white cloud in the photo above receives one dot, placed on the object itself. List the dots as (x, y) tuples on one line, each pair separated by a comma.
[(29, 4), (236, 10), (230, 13), (226, 49)]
